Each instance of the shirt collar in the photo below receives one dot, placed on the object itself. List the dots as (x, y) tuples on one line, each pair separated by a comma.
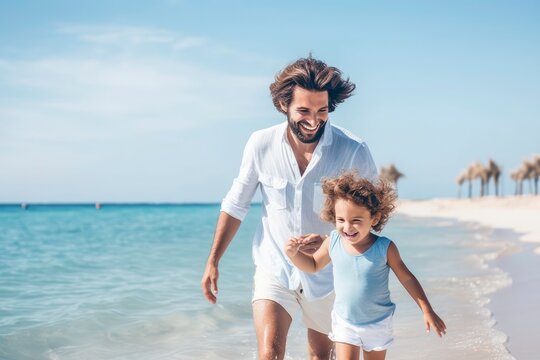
[(326, 138)]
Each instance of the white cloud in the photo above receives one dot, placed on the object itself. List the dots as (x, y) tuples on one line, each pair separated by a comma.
[(119, 97), (130, 35), (189, 42)]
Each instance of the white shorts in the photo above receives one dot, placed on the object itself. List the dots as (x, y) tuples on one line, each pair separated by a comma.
[(315, 313), (372, 337)]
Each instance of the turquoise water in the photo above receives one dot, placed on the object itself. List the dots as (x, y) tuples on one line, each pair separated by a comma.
[(122, 282)]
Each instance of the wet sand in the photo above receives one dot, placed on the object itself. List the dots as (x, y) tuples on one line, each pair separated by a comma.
[(515, 308)]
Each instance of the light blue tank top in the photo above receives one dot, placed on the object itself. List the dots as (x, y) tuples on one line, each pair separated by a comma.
[(361, 282)]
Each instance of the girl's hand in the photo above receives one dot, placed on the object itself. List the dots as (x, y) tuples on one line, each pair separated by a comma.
[(432, 320), (310, 243), (292, 247)]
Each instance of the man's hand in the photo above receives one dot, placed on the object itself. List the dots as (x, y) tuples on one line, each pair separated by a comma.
[(209, 282), (292, 246), (310, 243)]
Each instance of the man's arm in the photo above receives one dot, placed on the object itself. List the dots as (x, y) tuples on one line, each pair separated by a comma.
[(226, 228), (234, 208)]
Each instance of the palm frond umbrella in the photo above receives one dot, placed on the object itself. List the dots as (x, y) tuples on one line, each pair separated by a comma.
[(470, 176), (495, 174), (528, 173), (536, 172), (480, 172), (518, 175), (391, 173), (460, 179)]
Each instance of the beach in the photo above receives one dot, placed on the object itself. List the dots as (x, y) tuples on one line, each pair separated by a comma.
[(115, 283), (515, 307)]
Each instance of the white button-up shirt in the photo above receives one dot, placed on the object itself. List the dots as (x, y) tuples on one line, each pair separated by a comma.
[(291, 201)]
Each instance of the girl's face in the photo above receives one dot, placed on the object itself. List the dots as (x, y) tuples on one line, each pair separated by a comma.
[(354, 222)]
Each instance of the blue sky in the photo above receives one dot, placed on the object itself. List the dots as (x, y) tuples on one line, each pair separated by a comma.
[(128, 101)]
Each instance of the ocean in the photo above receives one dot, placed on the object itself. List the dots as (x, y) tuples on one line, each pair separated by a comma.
[(123, 282)]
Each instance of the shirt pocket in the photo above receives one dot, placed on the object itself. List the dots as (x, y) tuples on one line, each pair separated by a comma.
[(274, 191), (318, 198)]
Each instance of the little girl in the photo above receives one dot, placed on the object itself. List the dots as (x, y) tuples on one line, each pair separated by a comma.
[(362, 313)]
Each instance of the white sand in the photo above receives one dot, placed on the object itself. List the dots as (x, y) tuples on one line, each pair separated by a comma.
[(521, 214), (515, 308)]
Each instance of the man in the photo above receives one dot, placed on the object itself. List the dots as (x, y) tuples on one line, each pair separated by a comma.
[(288, 161)]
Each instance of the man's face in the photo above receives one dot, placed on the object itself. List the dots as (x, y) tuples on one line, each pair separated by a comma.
[(307, 114)]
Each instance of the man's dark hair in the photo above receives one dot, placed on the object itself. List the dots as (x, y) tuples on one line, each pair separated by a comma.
[(314, 75)]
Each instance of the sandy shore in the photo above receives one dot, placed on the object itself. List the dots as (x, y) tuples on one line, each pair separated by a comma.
[(515, 308)]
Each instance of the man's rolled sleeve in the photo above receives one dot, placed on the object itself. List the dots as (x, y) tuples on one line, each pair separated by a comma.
[(238, 200)]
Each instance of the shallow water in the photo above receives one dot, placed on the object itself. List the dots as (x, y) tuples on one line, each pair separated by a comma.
[(123, 283)]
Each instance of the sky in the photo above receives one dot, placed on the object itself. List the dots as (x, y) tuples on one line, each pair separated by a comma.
[(139, 101)]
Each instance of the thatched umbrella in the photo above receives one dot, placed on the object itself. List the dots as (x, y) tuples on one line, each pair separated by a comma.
[(482, 173), (470, 175), (460, 180), (536, 162), (514, 176), (495, 174), (528, 173), (518, 175), (391, 173)]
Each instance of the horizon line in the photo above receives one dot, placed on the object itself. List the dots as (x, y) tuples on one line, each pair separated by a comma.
[(144, 203)]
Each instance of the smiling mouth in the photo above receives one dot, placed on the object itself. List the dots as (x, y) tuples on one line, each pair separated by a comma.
[(350, 236), (308, 128)]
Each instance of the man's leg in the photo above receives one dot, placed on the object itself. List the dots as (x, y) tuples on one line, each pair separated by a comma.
[(346, 351), (272, 324), (320, 347), (316, 317)]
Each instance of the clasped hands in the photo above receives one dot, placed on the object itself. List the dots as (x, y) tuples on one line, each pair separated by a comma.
[(306, 244)]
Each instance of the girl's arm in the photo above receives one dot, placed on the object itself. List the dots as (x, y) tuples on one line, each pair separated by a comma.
[(305, 262), (413, 287)]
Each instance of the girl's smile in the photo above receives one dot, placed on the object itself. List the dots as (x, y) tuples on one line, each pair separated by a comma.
[(350, 236)]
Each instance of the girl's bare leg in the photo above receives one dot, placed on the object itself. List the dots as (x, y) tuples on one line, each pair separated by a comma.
[(374, 355)]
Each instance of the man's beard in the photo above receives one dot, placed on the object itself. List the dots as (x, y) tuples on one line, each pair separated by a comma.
[(295, 129)]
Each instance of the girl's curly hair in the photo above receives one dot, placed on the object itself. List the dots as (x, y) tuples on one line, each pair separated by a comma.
[(378, 198)]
